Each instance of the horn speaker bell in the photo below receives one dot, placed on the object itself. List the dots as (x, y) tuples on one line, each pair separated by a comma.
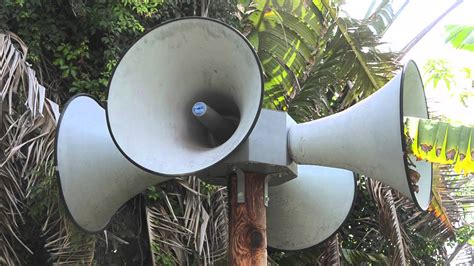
[(309, 209), (368, 138), (163, 75), (95, 179)]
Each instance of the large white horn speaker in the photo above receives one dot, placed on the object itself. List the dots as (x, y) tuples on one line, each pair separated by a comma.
[(163, 75), (95, 179), (309, 209), (368, 138)]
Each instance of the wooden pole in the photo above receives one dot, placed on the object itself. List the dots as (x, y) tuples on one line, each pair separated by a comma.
[(248, 222)]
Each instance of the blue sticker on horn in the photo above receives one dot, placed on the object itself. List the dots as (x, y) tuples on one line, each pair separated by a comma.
[(199, 108)]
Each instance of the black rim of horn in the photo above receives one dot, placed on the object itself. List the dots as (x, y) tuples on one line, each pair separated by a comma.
[(402, 133)]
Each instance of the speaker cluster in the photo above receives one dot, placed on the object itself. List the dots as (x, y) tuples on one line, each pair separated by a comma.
[(186, 99)]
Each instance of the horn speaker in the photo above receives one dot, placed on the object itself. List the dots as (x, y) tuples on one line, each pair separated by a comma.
[(368, 138), (95, 179), (309, 209), (186, 63)]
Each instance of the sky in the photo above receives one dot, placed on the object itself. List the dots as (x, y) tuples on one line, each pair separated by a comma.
[(416, 16)]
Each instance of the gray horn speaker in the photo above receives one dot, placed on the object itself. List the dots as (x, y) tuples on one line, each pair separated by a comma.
[(368, 138), (180, 66), (95, 178), (309, 209)]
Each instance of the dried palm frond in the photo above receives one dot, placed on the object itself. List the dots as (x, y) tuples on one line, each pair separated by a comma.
[(28, 191), (455, 192), (332, 253), (25, 125), (218, 228), (188, 227), (417, 221), (67, 246), (390, 224)]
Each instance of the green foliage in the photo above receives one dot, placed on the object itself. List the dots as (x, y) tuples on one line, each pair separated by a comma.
[(361, 232), (355, 257), (298, 257), (426, 247), (461, 36), (161, 258), (464, 234), (43, 194), (284, 43), (77, 44), (153, 194), (143, 7), (439, 70), (314, 63)]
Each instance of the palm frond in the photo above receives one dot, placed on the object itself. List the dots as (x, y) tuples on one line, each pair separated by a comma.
[(188, 226), (348, 68), (19, 136), (332, 254), (352, 55), (455, 193), (28, 192), (390, 224), (285, 34), (316, 62), (67, 246), (357, 257), (360, 59), (383, 16)]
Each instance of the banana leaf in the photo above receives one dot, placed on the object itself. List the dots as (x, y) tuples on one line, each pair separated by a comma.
[(441, 142)]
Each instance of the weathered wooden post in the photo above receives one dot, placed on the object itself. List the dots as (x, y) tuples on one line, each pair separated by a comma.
[(247, 221)]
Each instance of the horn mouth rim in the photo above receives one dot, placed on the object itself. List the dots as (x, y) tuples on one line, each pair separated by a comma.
[(244, 138), (402, 134), (57, 173)]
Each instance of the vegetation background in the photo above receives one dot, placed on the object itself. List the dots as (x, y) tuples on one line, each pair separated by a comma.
[(316, 63)]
